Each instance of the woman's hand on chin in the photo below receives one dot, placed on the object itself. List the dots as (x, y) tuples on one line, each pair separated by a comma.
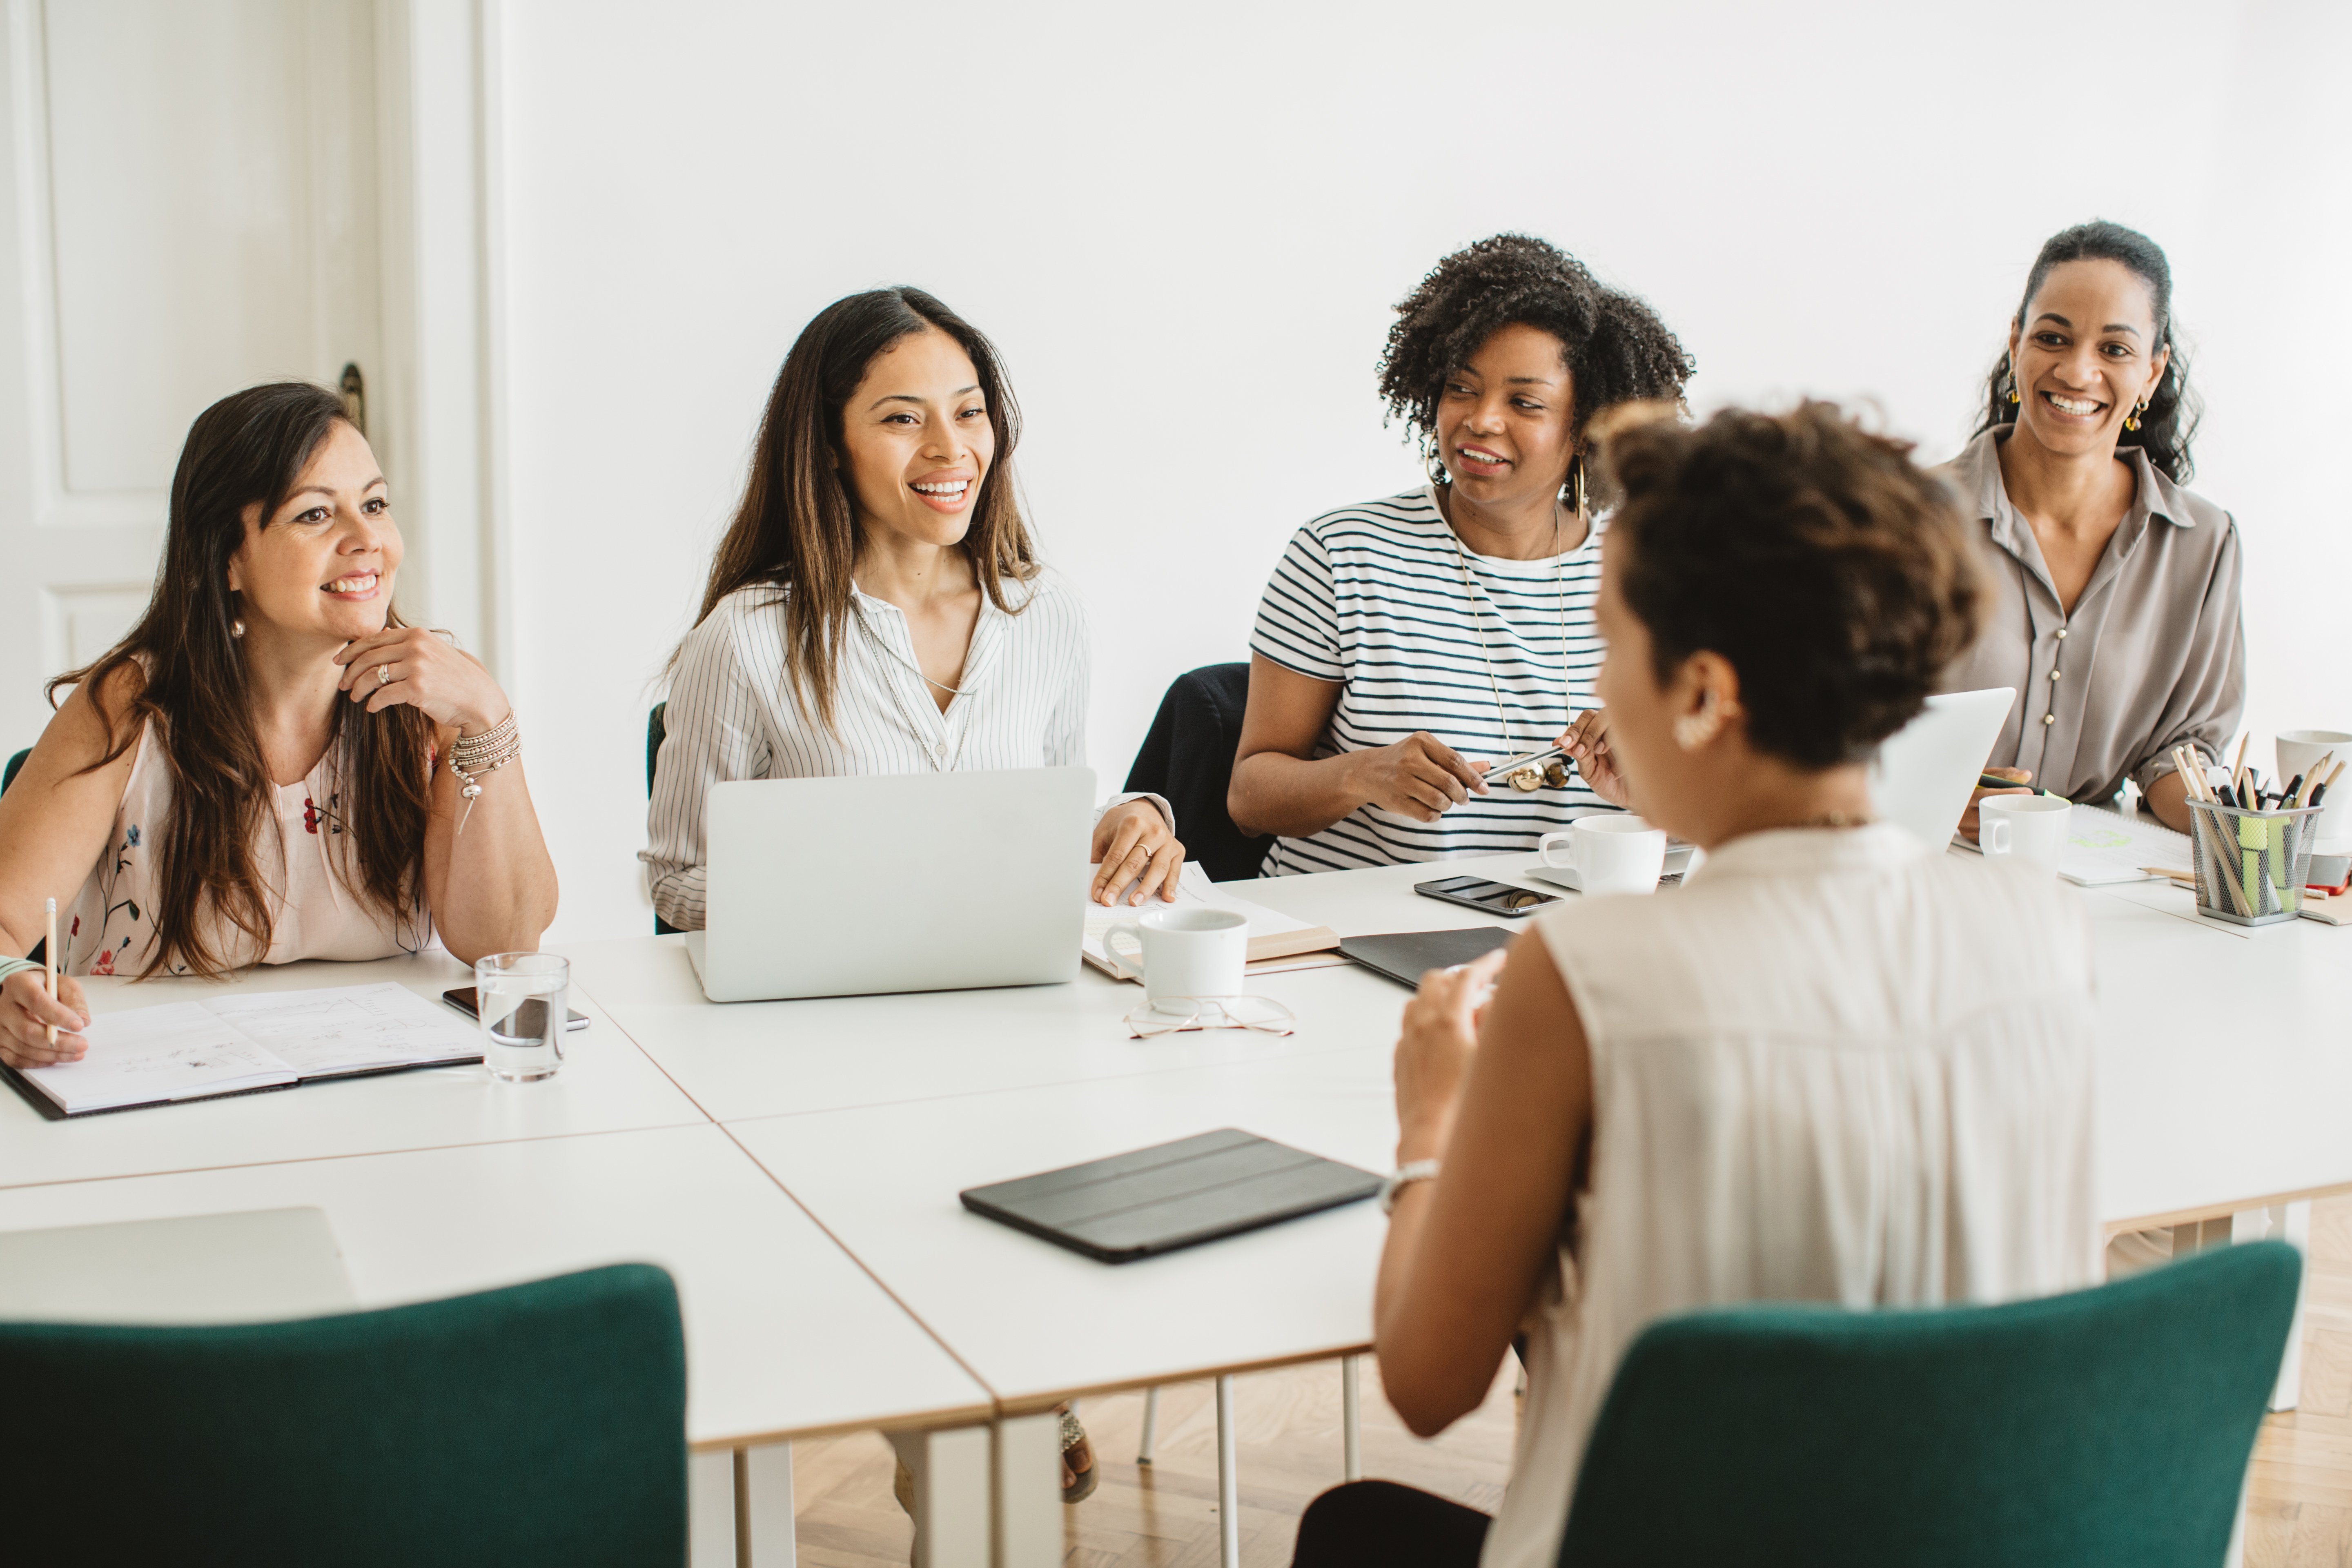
[(1133, 844), (413, 666)]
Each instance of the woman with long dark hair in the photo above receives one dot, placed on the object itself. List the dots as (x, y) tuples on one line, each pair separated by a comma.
[(271, 766), (2115, 599), (876, 606)]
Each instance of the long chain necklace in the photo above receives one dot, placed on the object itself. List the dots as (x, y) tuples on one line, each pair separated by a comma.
[(932, 753), (1524, 779)]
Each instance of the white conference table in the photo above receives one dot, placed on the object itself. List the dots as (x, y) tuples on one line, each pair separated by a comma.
[(2221, 1093), (606, 1086)]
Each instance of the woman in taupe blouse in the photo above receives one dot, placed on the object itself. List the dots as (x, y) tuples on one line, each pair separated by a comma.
[(2113, 609)]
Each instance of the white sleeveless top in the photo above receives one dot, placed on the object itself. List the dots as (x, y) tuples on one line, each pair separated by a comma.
[(1832, 1066), (111, 928)]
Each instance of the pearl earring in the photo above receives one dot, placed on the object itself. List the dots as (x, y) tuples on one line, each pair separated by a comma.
[(1692, 731), (236, 629)]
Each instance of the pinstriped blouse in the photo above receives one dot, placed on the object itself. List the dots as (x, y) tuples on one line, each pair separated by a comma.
[(1372, 598), (731, 715)]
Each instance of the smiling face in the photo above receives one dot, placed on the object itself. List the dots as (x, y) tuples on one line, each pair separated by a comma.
[(322, 563), (1502, 419), (917, 441), (2085, 355)]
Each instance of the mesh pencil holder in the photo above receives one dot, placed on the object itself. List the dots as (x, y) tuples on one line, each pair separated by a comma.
[(2251, 865)]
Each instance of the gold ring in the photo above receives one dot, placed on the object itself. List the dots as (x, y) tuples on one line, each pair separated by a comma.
[(384, 675)]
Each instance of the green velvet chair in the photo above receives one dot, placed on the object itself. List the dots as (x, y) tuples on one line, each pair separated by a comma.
[(541, 1425), (8, 774), (2109, 1426)]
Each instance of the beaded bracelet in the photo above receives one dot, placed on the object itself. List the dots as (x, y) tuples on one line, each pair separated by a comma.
[(475, 755)]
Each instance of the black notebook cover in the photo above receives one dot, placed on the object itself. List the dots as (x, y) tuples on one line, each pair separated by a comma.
[(1404, 956), (1172, 1195)]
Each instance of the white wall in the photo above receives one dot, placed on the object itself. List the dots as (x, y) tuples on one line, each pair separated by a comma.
[(1186, 235)]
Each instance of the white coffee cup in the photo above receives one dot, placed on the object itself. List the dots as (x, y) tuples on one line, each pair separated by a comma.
[(1609, 854), (2027, 827), (1185, 951), (2299, 751)]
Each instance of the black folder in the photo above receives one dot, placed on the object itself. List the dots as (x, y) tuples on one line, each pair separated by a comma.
[(1404, 956), (1172, 1196)]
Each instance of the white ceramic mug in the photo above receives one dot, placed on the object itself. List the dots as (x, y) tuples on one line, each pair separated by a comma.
[(2027, 826), (2299, 751), (1185, 951), (1609, 854)]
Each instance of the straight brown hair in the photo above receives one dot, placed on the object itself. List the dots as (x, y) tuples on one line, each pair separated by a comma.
[(797, 524), (182, 669)]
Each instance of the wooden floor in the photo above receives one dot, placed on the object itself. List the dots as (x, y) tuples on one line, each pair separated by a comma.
[(1164, 1515)]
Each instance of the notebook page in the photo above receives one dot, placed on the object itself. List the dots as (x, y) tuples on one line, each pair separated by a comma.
[(350, 1029), (146, 1055), (2105, 847)]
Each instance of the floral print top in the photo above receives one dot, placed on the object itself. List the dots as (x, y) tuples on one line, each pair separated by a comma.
[(111, 930)]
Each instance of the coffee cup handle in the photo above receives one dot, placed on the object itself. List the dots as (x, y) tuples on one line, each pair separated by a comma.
[(1110, 948), (1544, 848), (1993, 834)]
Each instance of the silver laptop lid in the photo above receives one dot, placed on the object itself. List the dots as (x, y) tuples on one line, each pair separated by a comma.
[(1921, 778), (849, 887)]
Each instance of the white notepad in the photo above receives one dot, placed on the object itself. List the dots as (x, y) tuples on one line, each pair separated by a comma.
[(236, 1044), (1277, 940)]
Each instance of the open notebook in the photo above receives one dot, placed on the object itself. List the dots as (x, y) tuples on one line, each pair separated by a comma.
[(1276, 941), (239, 1043), (2105, 847)]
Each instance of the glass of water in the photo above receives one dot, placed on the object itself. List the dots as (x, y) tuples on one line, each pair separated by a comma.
[(526, 1000)]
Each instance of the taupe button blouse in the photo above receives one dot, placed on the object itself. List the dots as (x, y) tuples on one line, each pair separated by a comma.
[(2154, 654)]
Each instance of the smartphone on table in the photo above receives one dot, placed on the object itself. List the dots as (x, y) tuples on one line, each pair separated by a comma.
[(468, 1001), (1487, 898)]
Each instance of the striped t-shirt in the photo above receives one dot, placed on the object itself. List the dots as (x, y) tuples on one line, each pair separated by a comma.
[(1373, 597)]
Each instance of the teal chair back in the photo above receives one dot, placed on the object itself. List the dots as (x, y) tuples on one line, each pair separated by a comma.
[(8, 774), (2110, 1426), (540, 1425)]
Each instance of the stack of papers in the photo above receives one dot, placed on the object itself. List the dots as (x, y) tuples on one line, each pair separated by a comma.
[(1276, 941), (236, 1044)]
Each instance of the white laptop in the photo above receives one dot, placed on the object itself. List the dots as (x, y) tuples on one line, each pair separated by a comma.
[(850, 887), (1925, 770)]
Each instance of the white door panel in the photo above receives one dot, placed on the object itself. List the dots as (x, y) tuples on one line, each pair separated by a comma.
[(188, 207)]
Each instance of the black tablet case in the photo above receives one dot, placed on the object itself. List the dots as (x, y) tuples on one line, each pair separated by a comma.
[(1172, 1196), (1404, 956)]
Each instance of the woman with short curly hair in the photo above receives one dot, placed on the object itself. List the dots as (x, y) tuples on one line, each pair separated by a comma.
[(1837, 1066), (1405, 644)]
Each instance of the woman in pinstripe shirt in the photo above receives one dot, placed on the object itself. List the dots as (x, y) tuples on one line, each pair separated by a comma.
[(876, 606)]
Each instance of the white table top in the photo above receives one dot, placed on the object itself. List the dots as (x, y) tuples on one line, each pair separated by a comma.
[(1038, 1322), (607, 1085), (742, 1059), (785, 1335), (2224, 1079)]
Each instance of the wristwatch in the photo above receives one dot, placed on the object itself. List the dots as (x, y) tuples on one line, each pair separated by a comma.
[(1411, 1170)]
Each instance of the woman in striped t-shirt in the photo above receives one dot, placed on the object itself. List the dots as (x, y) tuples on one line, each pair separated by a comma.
[(1406, 645)]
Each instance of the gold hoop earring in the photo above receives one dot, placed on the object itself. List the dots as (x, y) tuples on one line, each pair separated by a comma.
[(2008, 372), (1579, 489)]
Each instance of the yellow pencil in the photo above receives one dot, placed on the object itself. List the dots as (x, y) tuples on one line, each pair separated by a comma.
[(49, 963)]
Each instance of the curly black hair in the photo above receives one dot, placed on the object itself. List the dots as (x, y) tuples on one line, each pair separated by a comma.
[(1614, 346), (1835, 573)]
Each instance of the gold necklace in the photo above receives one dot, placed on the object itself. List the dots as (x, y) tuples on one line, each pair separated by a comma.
[(1527, 779)]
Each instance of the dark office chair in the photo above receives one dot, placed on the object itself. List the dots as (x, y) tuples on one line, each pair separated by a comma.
[(16, 766), (540, 1425), (655, 730), (1188, 760), (2106, 1426)]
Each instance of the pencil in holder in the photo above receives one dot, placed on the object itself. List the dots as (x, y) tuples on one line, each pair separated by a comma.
[(2251, 865)]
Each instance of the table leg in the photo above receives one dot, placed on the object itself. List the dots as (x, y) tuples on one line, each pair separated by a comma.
[(1229, 1489), (710, 1511), (2288, 1223), (765, 1534), (1150, 1427), (952, 1466), (1351, 1422), (1028, 1485)]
